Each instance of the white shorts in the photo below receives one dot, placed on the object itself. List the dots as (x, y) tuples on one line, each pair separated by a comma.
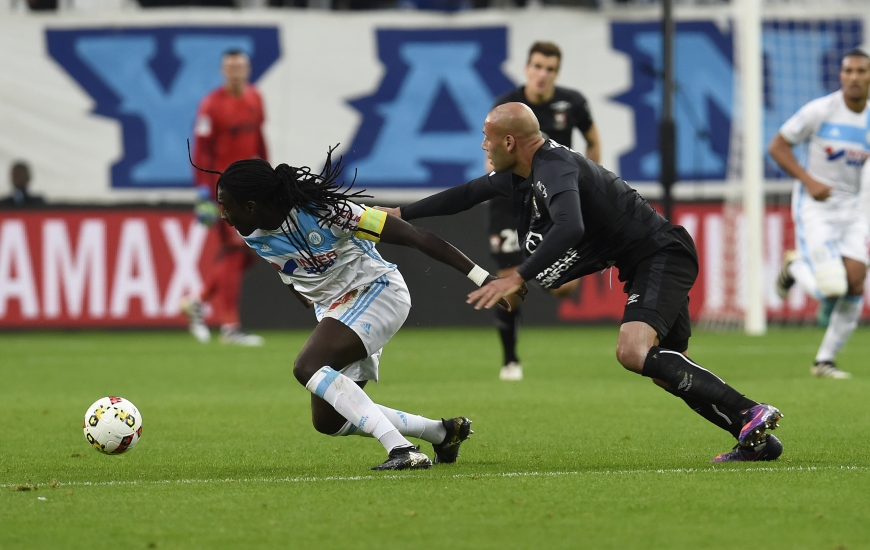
[(375, 312), (827, 233)]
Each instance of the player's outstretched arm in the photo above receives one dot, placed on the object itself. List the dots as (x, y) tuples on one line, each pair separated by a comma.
[(396, 211), (455, 199), (398, 231)]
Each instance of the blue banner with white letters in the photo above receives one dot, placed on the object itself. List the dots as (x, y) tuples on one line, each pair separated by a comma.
[(423, 126), (410, 99), (151, 80)]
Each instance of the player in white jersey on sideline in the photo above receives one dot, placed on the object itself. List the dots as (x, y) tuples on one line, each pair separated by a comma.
[(322, 244), (831, 227)]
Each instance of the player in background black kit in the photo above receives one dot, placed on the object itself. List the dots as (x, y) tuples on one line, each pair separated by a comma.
[(558, 110), (577, 218)]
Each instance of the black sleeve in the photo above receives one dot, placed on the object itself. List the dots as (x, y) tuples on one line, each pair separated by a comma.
[(567, 230), (459, 198), (583, 114)]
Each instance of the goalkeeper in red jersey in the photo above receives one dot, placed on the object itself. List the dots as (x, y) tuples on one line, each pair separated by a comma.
[(228, 128)]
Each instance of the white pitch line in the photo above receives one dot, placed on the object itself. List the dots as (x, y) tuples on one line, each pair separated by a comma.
[(314, 479)]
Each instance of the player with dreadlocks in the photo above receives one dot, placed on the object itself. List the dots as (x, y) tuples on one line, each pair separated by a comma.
[(323, 244)]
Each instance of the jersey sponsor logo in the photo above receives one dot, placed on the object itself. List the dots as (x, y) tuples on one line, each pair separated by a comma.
[(834, 155), (421, 127), (167, 72), (542, 189), (289, 267), (319, 263), (705, 105), (856, 158), (849, 156), (532, 241), (547, 277), (346, 219)]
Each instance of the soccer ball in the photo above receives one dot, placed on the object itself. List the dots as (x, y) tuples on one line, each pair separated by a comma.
[(113, 425)]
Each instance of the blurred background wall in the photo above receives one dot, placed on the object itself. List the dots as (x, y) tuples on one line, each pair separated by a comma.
[(99, 97)]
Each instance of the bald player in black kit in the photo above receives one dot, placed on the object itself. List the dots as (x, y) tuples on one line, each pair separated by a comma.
[(576, 218)]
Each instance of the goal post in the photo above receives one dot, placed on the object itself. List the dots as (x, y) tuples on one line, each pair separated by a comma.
[(752, 97)]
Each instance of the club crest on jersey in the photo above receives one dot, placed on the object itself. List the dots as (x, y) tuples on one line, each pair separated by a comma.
[(560, 114), (315, 237)]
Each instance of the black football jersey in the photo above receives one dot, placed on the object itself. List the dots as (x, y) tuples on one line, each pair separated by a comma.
[(620, 227)]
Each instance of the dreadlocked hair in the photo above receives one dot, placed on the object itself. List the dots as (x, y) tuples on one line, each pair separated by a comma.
[(286, 187)]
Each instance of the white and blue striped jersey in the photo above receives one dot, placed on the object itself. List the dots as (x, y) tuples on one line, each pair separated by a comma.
[(344, 247), (839, 144)]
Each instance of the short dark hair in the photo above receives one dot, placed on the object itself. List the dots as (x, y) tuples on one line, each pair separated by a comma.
[(547, 49), (856, 52), (234, 51)]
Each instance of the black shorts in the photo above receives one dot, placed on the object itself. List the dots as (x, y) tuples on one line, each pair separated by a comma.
[(658, 295), (504, 245)]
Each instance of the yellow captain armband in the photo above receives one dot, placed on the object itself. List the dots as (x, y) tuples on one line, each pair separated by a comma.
[(371, 223)]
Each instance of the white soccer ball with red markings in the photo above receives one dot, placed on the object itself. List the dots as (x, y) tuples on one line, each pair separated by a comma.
[(113, 425)]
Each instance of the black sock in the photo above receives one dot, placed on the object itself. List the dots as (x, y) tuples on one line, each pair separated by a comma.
[(685, 377), (720, 416), (508, 324)]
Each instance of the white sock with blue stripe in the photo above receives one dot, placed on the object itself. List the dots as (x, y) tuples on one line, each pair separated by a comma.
[(352, 403), (844, 320), (408, 424)]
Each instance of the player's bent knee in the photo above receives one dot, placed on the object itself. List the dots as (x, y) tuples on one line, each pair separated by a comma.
[(630, 357), (303, 371), (327, 426), (832, 280)]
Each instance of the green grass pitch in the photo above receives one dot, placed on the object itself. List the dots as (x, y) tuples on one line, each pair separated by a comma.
[(581, 454)]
